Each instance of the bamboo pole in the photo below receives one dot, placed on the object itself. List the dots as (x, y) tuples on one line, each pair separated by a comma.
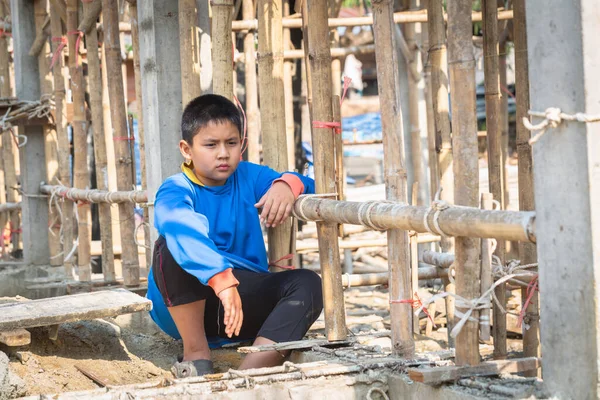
[(323, 147), (41, 37), (306, 76), (129, 258), (252, 112), (337, 52), (273, 109), (403, 17), (311, 245), (79, 125), (222, 46), (486, 271), (340, 175), (414, 257), (382, 278), (135, 39), (494, 143), (96, 196), (95, 90), (189, 51), (465, 165), (527, 251), (92, 11), (42, 20), (61, 9), (3, 204), (64, 147), (288, 67), (6, 207), (5, 91), (443, 138), (395, 173)]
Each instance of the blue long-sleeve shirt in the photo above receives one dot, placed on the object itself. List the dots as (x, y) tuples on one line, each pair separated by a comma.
[(210, 229)]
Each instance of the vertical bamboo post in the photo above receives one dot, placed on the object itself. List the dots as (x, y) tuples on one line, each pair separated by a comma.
[(288, 66), (272, 104), (252, 113), (502, 49), (494, 144), (95, 90), (189, 51), (340, 174), (306, 76), (5, 91), (129, 252), (64, 147), (222, 48), (443, 140), (527, 251), (135, 40), (487, 280), (319, 57), (79, 126), (465, 164), (234, 76), (388, 82), (204, 25), (414, 257), (50, 140)]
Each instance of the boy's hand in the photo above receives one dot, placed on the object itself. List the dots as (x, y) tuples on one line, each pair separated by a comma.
[(232, 305), (276, 204)]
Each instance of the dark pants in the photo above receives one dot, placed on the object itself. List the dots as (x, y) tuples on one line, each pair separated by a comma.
[(279, 306)]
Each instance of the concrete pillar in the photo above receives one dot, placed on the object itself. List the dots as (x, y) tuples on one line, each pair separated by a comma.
[(34, 210), (564, 64), (161, 92)]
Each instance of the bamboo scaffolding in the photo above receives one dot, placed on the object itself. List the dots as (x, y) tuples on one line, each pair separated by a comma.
[(5, 91), (443, 138), (494, 144), (288, 67), (395, 174), (189, 51), (222, 54), (319, 70), (414, 256), (7, 207), (399, 18), (79, 125), (95, 90), (42, 33), (61, 9), (95, 196), (91, 13), (64, 147), (252, 112), (135, 40), (129, 257), (336, 52), (273, 111), (356, 280), (486, 272), (527, 251), (465, 165), (42, 21), (340, 175)]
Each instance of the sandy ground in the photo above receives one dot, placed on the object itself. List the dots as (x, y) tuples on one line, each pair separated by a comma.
[(131, 349)]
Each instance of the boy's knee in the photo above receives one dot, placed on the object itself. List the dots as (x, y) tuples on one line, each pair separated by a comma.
[(310, 283)]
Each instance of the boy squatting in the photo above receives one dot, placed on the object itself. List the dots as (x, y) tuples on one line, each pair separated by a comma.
[(209, 279)]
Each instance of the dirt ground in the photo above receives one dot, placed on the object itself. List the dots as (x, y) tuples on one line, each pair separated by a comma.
[(131, 349)]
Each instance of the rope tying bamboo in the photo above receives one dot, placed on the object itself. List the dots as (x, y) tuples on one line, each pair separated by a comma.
[(437, 206), (303, 198), (378, 390), (24, 108), (553, 117)]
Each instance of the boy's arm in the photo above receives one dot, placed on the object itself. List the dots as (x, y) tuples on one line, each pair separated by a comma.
[(186, 233)]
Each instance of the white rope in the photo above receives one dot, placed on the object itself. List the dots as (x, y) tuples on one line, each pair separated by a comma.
[(135, 232), (304, 197), (378, 390), (31, 109), (553, 117), (437, 206)]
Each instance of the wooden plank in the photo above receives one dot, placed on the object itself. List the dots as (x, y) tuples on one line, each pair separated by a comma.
[(437, 375), (16, 337), (77, 307), (296, 345)]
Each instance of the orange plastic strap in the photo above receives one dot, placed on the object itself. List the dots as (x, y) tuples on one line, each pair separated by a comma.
[(287, 257)]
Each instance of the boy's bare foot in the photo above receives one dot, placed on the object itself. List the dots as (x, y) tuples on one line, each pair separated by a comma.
[(263, 358)]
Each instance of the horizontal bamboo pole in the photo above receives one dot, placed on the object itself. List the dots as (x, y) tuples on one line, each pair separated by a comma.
[(453, 221), (443, 260), (382, 278), (6, 207), (95, 196), (304, 246), (336, 52), (399, 18)]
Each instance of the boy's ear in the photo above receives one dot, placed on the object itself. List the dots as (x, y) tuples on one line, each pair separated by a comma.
[(185, 150)]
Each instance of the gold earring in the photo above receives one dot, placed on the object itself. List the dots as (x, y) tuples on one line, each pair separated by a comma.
[(188, 162)]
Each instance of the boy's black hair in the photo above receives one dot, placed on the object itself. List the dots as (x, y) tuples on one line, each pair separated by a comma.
[(206, 109)]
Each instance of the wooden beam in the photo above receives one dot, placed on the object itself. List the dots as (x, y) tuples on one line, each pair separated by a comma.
[(61, 309), (319, 69), (388, 82), (466, 167), (437, 375)]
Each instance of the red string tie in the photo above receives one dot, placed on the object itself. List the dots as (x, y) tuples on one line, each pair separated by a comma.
[(4, 33), (336, 126), (531, 288), (116, 138), (415, 303), (77, 43), (244, 128), (287, 257), (61, 46), (11, 230), (347, 81)]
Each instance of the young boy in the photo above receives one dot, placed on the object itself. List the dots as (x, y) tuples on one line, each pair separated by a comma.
[(210, 274)]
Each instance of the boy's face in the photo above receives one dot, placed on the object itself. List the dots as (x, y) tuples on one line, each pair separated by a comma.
[(215, 152)]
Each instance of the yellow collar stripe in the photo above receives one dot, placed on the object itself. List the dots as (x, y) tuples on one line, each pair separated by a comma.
[(188, 170)]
